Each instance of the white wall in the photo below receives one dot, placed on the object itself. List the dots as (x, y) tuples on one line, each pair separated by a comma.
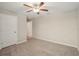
[(78, 27), (22, 28), (8, 12), (57, 27), (0, 35), (29, 29)]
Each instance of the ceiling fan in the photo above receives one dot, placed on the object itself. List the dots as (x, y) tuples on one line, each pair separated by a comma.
[(36, 7)]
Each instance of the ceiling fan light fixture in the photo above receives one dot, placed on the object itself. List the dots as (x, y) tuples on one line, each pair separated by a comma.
[(36, 7), (36, 10)]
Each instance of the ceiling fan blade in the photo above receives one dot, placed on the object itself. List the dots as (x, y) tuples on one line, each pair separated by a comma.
[(29, 10), (41, 4), (28, 6), (43, 9)]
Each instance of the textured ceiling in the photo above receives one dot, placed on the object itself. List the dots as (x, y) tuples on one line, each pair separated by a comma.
[(51, 6)]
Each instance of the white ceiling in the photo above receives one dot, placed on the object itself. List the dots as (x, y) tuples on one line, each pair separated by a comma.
[(51, 6)]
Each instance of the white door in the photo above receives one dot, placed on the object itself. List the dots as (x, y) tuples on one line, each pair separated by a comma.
[(8, 30)]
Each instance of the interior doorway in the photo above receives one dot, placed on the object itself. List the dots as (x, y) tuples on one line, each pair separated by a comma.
[(29, 28)]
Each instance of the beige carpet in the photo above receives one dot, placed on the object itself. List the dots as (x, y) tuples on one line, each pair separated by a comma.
[(35, 47)]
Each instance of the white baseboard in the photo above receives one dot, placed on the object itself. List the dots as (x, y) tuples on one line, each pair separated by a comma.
[(21, 41), (16, 43), (56, 42)]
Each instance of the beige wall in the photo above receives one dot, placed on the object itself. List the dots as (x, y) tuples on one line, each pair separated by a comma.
[(57, 27)]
